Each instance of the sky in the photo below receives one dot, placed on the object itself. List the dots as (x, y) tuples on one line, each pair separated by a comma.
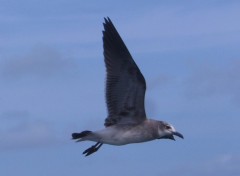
[(52, 77)]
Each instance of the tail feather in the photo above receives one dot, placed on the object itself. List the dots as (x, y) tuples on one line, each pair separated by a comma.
[(80, 135)]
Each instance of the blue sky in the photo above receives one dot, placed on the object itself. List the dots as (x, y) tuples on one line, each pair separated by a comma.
[(52, 84)]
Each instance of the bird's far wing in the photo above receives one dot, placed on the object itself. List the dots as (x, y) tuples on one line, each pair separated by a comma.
[(125, 84)]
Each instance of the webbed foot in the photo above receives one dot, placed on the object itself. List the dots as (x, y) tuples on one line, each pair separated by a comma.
[(92, 149)]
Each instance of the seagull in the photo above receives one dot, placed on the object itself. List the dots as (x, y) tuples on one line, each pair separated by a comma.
[(126, 122)]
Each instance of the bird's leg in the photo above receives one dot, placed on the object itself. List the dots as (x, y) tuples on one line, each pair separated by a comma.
[(92, 149)]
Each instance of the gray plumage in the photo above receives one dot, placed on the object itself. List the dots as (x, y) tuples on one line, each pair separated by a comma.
[(125, 91)]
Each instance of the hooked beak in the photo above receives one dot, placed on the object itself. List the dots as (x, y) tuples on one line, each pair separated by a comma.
[(177, 134), (170, 136)]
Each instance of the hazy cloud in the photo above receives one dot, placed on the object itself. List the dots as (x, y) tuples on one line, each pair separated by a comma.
[(225, 164), (211, 79), (40, 62), (222, 165), (177, 27), (18, 130)]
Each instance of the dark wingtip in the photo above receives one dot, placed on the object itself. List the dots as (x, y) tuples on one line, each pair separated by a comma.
[(107, 20)]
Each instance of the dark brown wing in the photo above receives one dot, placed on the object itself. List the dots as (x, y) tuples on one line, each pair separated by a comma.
[(125, 86)]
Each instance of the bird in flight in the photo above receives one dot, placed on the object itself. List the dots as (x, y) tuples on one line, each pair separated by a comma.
[(125, 91)]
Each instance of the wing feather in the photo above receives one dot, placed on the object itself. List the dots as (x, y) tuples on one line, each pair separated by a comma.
[(125, 84)]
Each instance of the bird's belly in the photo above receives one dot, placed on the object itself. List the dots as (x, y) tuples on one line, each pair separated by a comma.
[(122, 137)]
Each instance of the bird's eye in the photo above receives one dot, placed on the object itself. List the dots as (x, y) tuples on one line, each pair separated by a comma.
[(167, 127)]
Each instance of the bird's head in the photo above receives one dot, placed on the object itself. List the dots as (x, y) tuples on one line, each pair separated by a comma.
[(167, 131)]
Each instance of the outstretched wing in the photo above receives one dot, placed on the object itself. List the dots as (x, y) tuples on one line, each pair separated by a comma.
[(125, 85)]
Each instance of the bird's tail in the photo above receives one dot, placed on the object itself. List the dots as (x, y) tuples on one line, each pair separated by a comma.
[(80, 136)]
